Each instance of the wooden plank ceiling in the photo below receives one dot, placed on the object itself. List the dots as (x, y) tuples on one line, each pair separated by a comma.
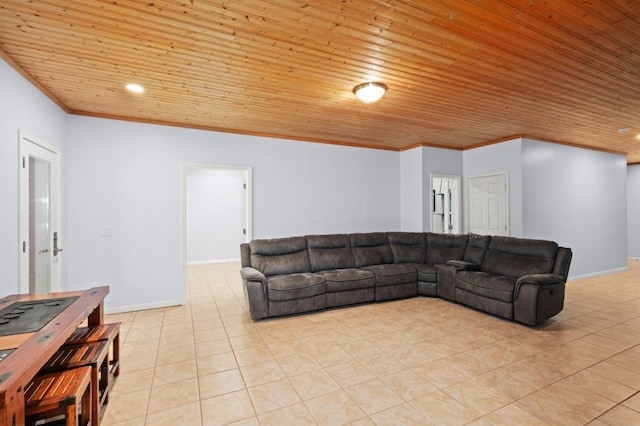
[(460, 73)]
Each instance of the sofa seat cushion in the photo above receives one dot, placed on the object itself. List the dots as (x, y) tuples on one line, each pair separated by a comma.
[(391, 274), (497, 287), (348, 279), (295, 286), (426, 273)]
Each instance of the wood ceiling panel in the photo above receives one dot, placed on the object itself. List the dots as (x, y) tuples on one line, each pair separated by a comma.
[(460, 74)]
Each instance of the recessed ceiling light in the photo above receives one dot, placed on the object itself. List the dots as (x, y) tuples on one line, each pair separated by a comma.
[(638, 136), (623, 130), (134, 88)]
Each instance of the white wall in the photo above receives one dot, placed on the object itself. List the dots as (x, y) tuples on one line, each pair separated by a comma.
[(499, 158), (215, 214), (412, 190), (578, 198), (22, 107), (574, 196), (633, 211), (128, 176)]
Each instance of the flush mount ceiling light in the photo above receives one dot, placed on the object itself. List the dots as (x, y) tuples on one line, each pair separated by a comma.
[(134, 88), (369, 92)]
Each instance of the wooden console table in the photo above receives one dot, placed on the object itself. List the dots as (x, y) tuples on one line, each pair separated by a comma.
[(22, 354)]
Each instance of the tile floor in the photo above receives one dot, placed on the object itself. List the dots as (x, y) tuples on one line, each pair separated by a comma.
[(418, 361)]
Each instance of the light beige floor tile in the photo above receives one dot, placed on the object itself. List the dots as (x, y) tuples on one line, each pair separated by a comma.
[(403, 414), (601, 385), (216, 363), (220, 383), (331, 355), (502, 382), (227, 408), (350, 373), (245, 341), (272, 396), (253, 355), (441, 409), (136, 421), (173, 395), (133, 381), (294, 365), (261, 373), (138, 362), (285, 348), (373, 396), (177, 354), (620, 416), (188, 414), (382, 365), (476, 396), (361, 348), (513, 415), (212, 347), (408, 384), (633, 402), (440, 373), (143, 346), (127, 406), (175, 340), (313, 384), (615, 373), (175, 372), (296, 414), (564, 402), (334, 408)]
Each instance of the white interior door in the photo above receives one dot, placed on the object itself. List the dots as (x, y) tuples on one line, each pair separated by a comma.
[(40, 237), (487, 207)]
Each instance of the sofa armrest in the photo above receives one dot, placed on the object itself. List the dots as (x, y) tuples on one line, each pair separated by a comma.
[(538, 297), (537, 279), (252, 274), (463, 265), (255, 291)]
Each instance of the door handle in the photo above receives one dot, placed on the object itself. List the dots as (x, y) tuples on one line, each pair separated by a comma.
[(56, 250), (43, 251)]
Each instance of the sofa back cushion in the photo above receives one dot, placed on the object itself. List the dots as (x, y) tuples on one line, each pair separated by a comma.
[(280, 256), (407, 247), (370, 249), (329, 252), (515, 257), (477, 247), (444, 247)]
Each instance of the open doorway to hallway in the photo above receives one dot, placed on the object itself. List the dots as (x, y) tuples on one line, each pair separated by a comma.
[(445, 204), (217, 213)]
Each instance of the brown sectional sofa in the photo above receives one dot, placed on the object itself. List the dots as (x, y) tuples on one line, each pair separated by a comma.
[(515, 278)]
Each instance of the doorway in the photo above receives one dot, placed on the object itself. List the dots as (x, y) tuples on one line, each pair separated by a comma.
[(487, 205), (39, 206), (445, 204), (217, 213)]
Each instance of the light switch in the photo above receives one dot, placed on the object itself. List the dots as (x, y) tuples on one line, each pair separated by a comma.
[(106, 231)]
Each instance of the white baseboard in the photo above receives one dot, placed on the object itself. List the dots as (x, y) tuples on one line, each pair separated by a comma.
[(634, 258), (597, 274), (145, 306), (210, 262)]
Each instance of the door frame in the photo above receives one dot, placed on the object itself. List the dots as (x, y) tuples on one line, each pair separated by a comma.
[(458, 205), (248, 216), (467, 202), (28, 146)]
